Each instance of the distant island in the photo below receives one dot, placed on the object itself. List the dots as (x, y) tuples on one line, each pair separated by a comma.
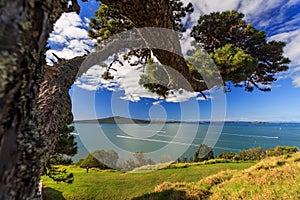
[(122, 120), (126, 120), (258, 122)]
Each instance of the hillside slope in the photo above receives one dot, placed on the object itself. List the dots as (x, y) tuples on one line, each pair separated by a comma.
[(272, 178)]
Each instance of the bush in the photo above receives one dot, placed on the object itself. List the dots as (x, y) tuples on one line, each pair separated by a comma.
[(79, 162), (59, 174), (91, 161), (139, 161), (281, 150), (100, 159), (226, 155), (251, 154), (258, 153), (185, 159), (203, 153), (61, 160)]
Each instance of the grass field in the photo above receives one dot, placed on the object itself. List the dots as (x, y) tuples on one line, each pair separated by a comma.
[(271, 178), (112, 185)]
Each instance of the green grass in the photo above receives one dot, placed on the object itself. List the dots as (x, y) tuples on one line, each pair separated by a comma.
[(111, 185)]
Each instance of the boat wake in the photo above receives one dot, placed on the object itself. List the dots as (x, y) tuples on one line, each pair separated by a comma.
[(252, 136)]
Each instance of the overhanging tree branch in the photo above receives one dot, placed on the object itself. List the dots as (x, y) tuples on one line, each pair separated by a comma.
[(159, 14)]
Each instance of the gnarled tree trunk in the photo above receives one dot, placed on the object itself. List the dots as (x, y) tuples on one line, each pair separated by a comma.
[(24, 30), (54, 101)]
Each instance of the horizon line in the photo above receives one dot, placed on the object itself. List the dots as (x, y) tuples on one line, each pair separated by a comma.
[(199, 120)]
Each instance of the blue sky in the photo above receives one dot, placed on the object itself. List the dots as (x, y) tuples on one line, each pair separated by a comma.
[(93, 97)]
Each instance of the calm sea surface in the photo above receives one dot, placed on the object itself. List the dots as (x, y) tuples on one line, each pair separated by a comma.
[(183, 138)]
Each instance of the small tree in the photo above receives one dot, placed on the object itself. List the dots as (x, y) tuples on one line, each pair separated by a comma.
[(91, 161), (185, 159), (101, 159), (109, 158), (128, 165), (203, 153), (141, 160), (59, 175), (64, 149)]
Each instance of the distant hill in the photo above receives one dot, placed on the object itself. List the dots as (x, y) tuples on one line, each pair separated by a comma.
[(122, 120), (125, 120), (258, 122)]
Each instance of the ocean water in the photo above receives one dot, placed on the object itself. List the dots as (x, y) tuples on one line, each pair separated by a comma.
[(166, 142)]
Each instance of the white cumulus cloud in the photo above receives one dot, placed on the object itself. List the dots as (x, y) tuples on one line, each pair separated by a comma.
[(296, 81), (69, 37), (292, 51)]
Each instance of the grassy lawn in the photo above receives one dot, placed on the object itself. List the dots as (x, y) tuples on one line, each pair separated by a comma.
[(111, 185)]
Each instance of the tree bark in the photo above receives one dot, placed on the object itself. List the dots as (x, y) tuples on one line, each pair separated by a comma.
[(24, 30), (54, 100)]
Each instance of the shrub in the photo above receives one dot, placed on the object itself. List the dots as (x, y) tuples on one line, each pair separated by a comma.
[(226, 155), (251, 154), (100, 159), (139, 161), (91, 161), (281, 150), (61, 160), (203, 153), (78, 163), (59, 174)]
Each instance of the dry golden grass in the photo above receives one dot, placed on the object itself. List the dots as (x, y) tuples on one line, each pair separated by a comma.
[(272, 178), (200, 189)]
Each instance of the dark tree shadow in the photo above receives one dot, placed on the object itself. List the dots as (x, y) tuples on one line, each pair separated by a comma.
[(164, 195), (52, 194)]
